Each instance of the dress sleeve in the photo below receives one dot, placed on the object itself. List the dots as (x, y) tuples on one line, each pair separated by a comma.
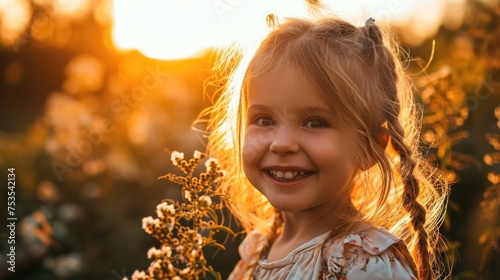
[(373, 254)]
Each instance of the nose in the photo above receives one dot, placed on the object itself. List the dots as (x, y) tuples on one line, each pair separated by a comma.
[(284, 141)]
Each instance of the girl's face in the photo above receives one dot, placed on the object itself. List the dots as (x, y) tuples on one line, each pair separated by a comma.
[(292, 151)]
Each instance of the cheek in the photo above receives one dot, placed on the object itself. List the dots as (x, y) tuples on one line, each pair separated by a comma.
[(255, 143), (251, 147), (333, 154), (251, 155)]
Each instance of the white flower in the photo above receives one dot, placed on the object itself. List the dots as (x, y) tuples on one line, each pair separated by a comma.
[(152, 252), (186, 270), (205, 200), (209, 162), (176, 155), (171, 223), (187, 195), (179, 248), (146, 221), (155, 266), (193, 253), (199, 238), (159, 207), (167, 251), (171, 209), (162, 206), (176, 278), (197, 154), (138, 274)]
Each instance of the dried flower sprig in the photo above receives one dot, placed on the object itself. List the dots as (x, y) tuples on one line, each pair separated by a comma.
[(444, 116), (185, 227), (490, 204)]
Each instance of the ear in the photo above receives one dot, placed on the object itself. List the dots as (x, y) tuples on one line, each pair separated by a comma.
[(383, 141)]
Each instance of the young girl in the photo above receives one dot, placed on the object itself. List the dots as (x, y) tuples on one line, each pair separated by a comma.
[(319, 132)]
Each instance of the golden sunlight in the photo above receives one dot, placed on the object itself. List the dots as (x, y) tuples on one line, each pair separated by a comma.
[(179, 29), (73, 8), (14, 17), (174, 29)]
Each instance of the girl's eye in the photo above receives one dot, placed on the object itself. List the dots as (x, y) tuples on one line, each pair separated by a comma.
[(263, 121), (316, 123)]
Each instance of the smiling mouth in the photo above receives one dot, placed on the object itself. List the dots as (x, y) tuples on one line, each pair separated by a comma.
[(282, 175)]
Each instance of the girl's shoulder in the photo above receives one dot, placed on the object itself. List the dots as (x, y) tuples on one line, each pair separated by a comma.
[(369, 253)]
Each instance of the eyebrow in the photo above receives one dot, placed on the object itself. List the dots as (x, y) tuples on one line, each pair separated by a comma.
[(311, 109)]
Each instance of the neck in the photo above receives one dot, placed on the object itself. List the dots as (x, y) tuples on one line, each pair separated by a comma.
[(305, 225)]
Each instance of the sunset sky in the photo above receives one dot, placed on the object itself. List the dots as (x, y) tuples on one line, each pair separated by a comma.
[(174, 29)]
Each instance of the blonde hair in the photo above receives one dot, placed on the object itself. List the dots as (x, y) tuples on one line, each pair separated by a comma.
[(358, 70)]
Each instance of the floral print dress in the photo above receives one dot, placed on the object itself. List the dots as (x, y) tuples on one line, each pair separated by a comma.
[(372, 253)]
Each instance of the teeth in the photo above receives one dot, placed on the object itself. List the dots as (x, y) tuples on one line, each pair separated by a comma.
[(290, 175), (278, 174)]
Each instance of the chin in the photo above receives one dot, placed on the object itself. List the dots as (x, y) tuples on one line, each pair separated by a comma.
[(286, 207)]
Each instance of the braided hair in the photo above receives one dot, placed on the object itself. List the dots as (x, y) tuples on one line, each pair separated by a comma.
[(382, 58)]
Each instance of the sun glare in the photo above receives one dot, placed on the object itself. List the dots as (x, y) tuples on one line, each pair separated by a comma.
[(173, 29), (14, 16), (179, 29)]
